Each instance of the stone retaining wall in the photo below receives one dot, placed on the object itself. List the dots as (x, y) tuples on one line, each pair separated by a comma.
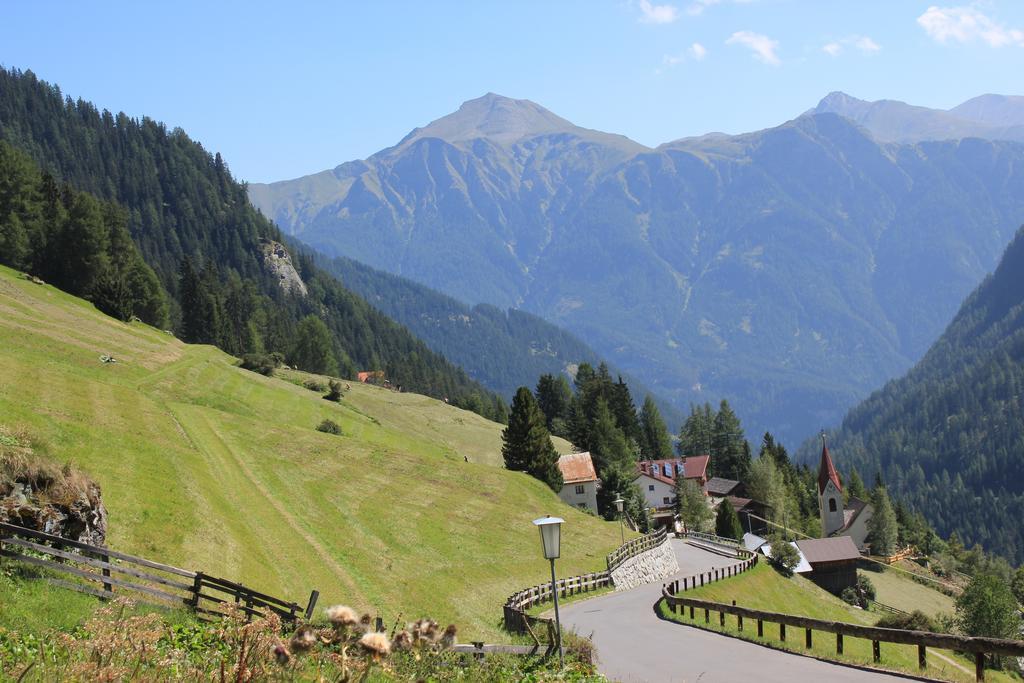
[(649, 566)]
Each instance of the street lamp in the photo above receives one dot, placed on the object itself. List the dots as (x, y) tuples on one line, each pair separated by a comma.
[(618, 506), (551, 538)]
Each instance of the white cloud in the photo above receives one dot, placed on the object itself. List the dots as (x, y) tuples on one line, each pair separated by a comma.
[(862, 43), (698, 7), (966, 24), (698, 52), (657, 14), (762, 46)]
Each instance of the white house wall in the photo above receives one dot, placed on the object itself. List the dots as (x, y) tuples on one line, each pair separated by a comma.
[(586, 500)]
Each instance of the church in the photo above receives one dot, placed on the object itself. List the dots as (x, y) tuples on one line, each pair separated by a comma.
[(838, 519)]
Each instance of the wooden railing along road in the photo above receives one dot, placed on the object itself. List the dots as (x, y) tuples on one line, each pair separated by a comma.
[(979, 647), (107, 574)]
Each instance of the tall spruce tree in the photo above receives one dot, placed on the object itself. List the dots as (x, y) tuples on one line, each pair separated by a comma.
[(883, 531), (526, 443), (696, 434), (313, 350), (730, 453), (655, 443), (555, 400)]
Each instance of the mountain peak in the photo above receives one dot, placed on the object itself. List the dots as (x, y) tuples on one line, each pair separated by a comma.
[(838, 102), (501, 119), (505, 121)]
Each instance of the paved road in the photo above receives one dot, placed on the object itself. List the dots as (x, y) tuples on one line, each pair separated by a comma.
[(634, 645)]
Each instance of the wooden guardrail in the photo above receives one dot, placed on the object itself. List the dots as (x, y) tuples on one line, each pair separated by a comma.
[(712, 538), (107, 573), (515, 610), (635, 547), (979, 647)]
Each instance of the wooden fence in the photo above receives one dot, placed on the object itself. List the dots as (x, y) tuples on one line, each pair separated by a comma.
[(518, 621), (635, 547), (979, 647), (715, 574), (107, 574)]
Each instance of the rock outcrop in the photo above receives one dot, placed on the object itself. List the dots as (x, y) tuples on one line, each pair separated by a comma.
[(39, 495), (278, 263)]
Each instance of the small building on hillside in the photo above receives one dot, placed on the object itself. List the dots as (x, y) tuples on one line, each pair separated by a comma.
[(579, 481), (833, 562), (750, 512), (657, 482), (837, 519), (718, 488)]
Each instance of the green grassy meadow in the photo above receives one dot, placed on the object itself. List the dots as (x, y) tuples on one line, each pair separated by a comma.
[(764, 588), (217, 469), (897, 589)]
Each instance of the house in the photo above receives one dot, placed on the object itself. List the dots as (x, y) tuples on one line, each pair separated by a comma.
[(837, 519), (833, 562), (657, 482), (750, 512), (579, 481), (375, 377), (717, 487)]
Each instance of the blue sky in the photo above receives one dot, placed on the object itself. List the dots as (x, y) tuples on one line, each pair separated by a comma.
[(285, 89)]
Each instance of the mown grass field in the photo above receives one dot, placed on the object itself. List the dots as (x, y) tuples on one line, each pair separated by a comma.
[(899, 590), (217, 469), (764, 588)]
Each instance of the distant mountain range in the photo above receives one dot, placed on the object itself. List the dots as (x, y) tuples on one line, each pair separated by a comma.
[(948, 436), (792, 270), (995, 117)]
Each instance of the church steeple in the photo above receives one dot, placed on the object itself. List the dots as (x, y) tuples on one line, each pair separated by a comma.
[(827, 471), (830, 493)]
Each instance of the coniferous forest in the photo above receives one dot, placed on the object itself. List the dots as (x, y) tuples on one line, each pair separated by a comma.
[(192, 223), (948, 437)]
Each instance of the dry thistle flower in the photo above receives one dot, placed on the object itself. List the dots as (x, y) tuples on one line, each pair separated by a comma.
[(402, 641), (448, 637), (303, 640), (281, 653), (365, 621), (341, 615), (376, 644)]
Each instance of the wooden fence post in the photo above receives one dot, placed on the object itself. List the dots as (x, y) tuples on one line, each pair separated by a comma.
[(922, 657), (979, 666), (707, 616), (691, 612), (721, 619), (807, 638), (197, 586), (109, 588), (311, 605), (782, 632), (760, 628), (839, 643), (876, 651)]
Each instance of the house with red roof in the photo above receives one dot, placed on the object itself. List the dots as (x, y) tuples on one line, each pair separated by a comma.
[(838, 519), (657, 482), (579, 481)]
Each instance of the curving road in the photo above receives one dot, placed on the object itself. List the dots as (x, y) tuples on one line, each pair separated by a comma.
[(634, 645)]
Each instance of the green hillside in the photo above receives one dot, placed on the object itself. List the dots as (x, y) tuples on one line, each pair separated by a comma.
[(215, 468)]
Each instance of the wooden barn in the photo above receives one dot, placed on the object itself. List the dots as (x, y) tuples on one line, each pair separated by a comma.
[(833, 562)]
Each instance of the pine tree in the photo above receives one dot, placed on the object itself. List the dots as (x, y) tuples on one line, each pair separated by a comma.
[(727, 522), (730, 454), (312, 350), (554, 398), (655, 442), (883, 531), (526, 444), (622, 407), (696, 433), (855, 485)]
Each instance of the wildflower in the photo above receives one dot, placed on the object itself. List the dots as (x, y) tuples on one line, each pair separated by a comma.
[(281, 653), (340, 615), (448, 637), (376, 644), (304, 639), (402, 641)]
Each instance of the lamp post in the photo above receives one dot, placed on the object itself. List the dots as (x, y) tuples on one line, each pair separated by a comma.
[(618, 506), (551, 538)]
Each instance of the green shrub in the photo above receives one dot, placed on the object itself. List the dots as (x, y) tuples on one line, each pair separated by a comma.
[(850, 596), (915, 621), (334, 394), (784, 556), (329, 427), (315, 385), (263, 363)]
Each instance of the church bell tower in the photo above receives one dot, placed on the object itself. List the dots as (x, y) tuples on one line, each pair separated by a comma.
[(830, 493)]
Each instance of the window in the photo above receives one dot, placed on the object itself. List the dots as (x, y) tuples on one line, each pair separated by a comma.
[(665, 500), (650, 487), (679, 467), (668, 470), (831, 504), (580, 489)]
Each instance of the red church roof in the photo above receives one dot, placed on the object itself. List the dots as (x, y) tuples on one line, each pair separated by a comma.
[(827, 471)]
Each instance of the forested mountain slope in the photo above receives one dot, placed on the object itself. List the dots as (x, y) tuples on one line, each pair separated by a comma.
[(792, 270), (502, 349), (193, 223), (948, 438)]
